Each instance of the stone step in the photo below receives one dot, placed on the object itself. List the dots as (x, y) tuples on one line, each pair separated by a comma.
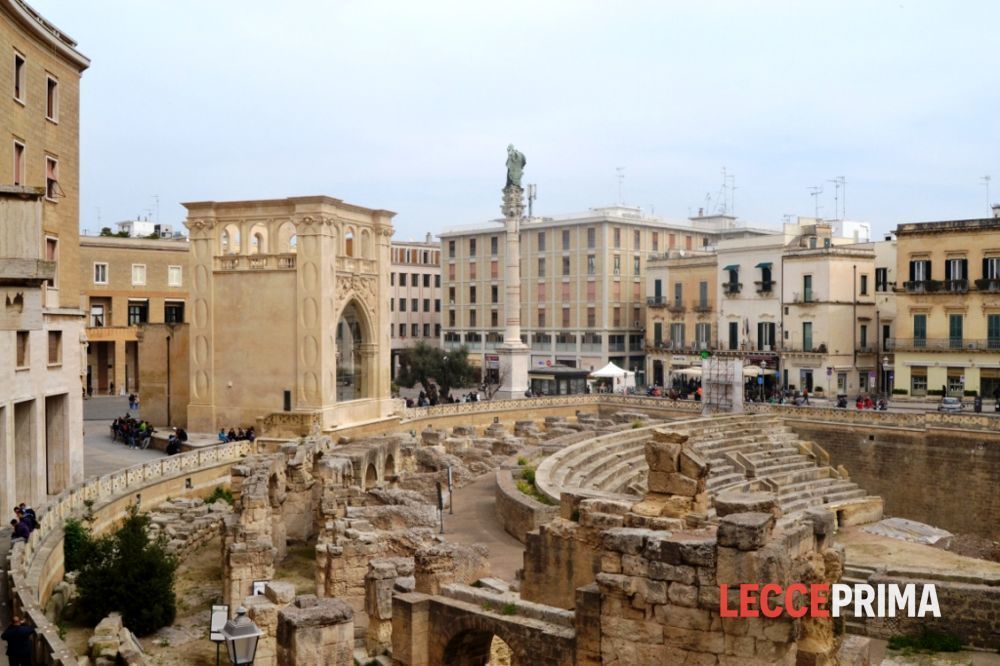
[(778, 451), (814, 486), (617, 476), (783, 467), (598, 460)]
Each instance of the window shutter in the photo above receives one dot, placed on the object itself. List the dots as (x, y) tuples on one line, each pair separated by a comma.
[(965, 270), (930, 275), (913, 270), (947, 269), (986, 269)]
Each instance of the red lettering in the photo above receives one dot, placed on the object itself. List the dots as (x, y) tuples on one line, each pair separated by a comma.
[(747, 597), (819, 594), (724, 610), (790, 607), (766, 609)]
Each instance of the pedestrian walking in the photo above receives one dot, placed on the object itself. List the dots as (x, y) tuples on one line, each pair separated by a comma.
[(18, 637)]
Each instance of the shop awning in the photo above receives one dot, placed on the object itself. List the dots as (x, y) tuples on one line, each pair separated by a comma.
[(763, 264), (732, 267)]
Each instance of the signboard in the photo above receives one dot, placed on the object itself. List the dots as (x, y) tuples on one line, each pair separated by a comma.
[(492, 361), (548, 363), (760, 380), (219, 617), (829, 371)]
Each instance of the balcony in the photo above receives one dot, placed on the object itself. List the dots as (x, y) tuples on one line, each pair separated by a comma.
[(255, 262), (991, 285), (921, 286), (702, 307), (805, 349), (942, 344), (764, 286), (676, 306), (804, 297), (955, 286), (656, 301), (731, 288)]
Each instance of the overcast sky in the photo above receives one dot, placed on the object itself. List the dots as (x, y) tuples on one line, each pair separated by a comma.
[(410, 105)]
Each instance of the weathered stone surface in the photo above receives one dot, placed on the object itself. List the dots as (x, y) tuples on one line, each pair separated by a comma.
[(745, 531), (747, 502)]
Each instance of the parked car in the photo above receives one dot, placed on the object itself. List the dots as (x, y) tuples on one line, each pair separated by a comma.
[(950, 405)]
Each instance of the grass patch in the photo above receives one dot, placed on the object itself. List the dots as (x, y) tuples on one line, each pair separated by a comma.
[(220, 494), (522, 461), (637, 424), (526, 484), (508, 609), (929, 641)]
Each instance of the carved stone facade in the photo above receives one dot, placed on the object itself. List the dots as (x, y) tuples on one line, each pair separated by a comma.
[(288, 311)]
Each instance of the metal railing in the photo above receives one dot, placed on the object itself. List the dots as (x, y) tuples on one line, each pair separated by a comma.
[(942, 344), (732, 287)]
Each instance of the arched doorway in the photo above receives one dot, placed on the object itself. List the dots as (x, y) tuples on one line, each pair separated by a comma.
[(354, 375), (371, 476), (389, 469), (478, 648)]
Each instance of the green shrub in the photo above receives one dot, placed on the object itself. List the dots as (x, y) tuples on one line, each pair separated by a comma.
[(971, 393), (929, 641), (220, 494), (935, 392), (508, 609), (129, 573), (636, 424), (897, 391), (522, 461), (77, 544), (528, 474)]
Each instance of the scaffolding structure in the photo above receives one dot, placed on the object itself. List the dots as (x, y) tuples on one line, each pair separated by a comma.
[(722, 385)]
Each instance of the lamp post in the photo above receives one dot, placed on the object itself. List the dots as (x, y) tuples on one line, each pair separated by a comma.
[(763, 367), (241, 636), (885, 378)]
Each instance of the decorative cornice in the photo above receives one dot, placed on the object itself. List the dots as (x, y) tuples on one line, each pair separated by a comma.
[(51, 36)]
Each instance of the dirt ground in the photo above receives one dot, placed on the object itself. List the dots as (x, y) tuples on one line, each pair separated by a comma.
[(972, 545), (873, 550)]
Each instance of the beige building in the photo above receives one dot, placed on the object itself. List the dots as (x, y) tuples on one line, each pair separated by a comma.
[(415, 301), (288, 311), (583, 283), (128, 283), (948, 307), (681, 314), (885, 310), (41, 323)]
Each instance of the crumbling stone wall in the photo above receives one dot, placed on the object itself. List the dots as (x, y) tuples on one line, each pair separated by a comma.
[(384, 577), (316, 632)]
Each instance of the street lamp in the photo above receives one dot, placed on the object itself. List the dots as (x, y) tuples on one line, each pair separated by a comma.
[(241, 636)]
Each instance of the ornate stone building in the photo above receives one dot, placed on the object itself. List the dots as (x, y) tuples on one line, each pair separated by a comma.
[(289, 311)]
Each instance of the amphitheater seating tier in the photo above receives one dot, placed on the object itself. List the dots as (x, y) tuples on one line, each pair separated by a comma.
[(742, 450)]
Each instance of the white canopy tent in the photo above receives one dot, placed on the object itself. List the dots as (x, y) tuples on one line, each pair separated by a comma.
[(621, 380), (689, 372)]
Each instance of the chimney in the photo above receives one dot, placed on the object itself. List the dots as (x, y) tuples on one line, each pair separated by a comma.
[(996, 210), (429, 237), (701, 212)]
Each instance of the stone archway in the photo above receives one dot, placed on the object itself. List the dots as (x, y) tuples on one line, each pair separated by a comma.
[(371, 476), (389, 469), (355, 342)]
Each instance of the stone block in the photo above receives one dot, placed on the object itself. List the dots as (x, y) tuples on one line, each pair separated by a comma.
[(682, 594), (672, 572), (747, 502), (626, 540), (661, 456), (692, 464), (280, 593), (745, 531)]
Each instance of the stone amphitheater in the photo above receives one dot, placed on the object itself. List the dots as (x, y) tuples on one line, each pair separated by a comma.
[(746, 452), (640, 509)]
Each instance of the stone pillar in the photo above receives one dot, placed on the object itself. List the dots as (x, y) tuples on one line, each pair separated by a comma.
[(316, 632), (263, 610), (242, 564), (315, 384), (201, 405), (444, 563), (514, 354), (410, 629), (121, 360), (379, 582)]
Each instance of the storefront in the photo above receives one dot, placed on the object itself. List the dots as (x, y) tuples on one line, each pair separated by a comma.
[(558, 380)]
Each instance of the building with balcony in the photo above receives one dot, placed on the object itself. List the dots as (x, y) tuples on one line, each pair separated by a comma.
[(681, 316), (128, 283), (415, 295), (42, 340), (948, 307), (289, 312), (885, 309), (583, 283)]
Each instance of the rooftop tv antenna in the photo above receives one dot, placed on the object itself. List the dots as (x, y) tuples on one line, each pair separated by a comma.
[(839, 183), (621, 185), (986, 181), (727, 194), (814, 192), (532, 195)]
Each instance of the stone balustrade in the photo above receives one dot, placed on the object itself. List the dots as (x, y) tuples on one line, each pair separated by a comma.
[(35, 567)]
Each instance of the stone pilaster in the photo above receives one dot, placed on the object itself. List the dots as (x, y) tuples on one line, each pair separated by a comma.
[(514, 354), (201, 407), (315, 283)]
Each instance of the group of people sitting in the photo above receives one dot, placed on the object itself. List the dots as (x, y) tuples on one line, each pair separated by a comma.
[(24, 523), (237, 435), (135, 433)]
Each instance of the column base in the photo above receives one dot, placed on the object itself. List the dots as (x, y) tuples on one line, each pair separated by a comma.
[(514, 361)]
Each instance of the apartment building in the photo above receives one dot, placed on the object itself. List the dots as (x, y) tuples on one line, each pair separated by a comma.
[(798, 304), (128, 283), (415, 295), (681, 315), (41, 323), (583, 283), (885, 310), (948, 307)]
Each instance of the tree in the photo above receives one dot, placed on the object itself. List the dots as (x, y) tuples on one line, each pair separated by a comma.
[(106, 231), (127, 572), (436, 370)]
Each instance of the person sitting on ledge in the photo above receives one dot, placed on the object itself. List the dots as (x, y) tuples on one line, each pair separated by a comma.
[(222, 435)]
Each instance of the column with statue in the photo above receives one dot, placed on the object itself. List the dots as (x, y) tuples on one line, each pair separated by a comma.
[(514, 354)]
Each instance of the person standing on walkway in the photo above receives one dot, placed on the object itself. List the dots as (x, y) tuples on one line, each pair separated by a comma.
[(18, 637)]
